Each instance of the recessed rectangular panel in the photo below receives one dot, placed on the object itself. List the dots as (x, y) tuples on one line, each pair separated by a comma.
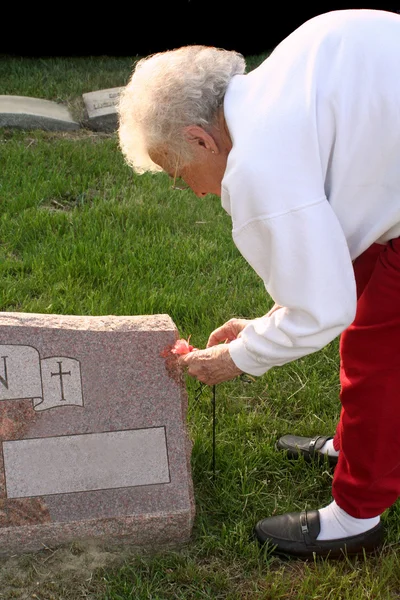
[(80, 463)]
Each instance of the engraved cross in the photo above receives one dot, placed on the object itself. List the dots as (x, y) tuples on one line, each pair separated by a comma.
[(60, 375)]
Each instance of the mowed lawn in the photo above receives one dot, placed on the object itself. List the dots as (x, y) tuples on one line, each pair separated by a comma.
[(81, 234)]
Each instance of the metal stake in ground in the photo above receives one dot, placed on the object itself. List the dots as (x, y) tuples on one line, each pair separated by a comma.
[(213, 430)]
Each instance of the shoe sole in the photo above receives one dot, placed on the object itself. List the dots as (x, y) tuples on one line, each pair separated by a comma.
[(310, 553)]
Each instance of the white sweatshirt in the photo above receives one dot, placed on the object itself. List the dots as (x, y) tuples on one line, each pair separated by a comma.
[(313, 178)]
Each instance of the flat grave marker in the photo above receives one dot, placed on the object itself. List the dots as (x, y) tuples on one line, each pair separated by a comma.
[(22, 112)]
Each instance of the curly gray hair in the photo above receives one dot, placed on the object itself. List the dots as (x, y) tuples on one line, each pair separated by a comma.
[(167, 92)]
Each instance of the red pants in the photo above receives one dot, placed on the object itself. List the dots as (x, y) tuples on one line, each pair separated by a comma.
[(367, 477)]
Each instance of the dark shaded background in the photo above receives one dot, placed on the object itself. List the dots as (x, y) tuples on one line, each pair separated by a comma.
[(147, 27)]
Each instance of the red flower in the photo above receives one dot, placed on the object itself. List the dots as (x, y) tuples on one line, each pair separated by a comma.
[(182, 347)]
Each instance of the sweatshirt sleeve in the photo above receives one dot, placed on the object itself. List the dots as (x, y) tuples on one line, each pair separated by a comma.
[(303, 258)]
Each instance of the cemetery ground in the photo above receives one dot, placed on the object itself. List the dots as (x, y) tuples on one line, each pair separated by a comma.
[(80, 234)]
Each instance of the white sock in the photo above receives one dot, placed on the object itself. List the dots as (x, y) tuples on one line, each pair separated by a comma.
[(328, 448), (336, 523)]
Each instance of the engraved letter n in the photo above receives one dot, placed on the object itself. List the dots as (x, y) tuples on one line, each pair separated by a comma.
[(4, 380)]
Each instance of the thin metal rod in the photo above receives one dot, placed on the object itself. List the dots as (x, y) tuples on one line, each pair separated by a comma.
[(214, 428)]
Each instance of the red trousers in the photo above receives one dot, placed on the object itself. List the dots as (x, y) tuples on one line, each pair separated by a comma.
[(367, 477)]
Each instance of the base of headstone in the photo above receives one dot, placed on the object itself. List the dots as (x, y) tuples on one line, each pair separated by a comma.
[(94, 444)]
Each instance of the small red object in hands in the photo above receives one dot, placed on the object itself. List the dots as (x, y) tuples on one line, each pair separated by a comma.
[(182, 347)]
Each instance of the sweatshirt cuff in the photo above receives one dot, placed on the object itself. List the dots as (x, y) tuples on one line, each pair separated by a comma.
[(243, 359)]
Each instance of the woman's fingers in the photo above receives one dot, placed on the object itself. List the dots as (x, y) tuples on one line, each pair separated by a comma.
[(227, 332), (210, 366)]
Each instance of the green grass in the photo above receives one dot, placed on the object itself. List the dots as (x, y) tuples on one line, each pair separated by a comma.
[(81, 234), (59, 79)]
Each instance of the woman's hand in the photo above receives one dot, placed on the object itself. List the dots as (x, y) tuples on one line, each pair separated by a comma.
[(212, 365), (232, 329), (227, 332)]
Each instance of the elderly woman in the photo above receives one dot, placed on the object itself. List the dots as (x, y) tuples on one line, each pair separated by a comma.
[(304, 152)]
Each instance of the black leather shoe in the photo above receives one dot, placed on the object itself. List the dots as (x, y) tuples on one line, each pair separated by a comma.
[(295, 534), (296, 445)]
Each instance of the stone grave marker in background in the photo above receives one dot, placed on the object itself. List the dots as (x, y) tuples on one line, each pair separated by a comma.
[(93, 440), (101, 108), (35, 113)]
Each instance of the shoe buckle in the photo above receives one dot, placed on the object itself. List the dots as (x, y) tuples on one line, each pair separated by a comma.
[(303, 523), (311, 446)]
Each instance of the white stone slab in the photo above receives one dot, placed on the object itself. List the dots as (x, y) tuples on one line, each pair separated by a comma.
[(81, 463), (101, 107), (23, 112)]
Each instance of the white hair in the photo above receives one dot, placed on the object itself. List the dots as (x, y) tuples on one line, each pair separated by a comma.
[(167, 92)]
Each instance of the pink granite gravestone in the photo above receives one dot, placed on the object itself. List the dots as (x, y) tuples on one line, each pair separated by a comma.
[(93, 433)]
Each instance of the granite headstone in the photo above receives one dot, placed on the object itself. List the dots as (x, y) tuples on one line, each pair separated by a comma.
[(93, 438)]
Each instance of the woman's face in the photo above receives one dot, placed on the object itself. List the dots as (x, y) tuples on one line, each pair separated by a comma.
[(204, 174)]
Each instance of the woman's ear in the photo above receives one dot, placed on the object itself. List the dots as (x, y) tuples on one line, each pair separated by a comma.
[(198, 136)]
